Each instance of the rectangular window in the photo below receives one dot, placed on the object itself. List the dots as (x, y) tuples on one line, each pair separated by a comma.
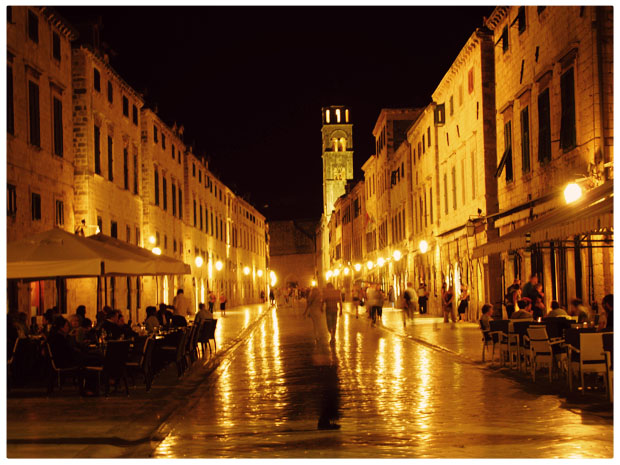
[(504, 39), (97, 150), (156, 187), (180, 203), (200, 210), (568, 132), (194, 170), (212, 223), (163, 141), (195, 222), (138, 237), (135, 173), (445, 193), (155, 139), (11, 200), (110, 93), (525, 140), (544, 127), (199, 176), (451, 105), (430, 203), (55, 46), (521, 19), (110, 159), (58, 141), (114, 229), (96, 80), (454, 187), (473, 175), (127, 233), (174, 199), (508, 149), (470, 80), (428, 136), (463, 181), (99, 225), (125, 168), (34, 116), (164, 192), (173, 151), (36, 206), (134, 110), (125, 107), (60, 213), (10, 117), (33, 27), (423, 144)]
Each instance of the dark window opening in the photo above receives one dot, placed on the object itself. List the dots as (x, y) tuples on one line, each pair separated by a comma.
[(125, 106), (125, 169), (180, 204), (11, 200), (155, 139), (10, 118), (135, 173), (60, 213), (56, 46), (163, 141), (58, 138), (525, 140), (195, 222), (174, 200), (96, 80), (110, 159), (97, 150), (156, 187), (110, 92), (114, 229), (33, 27), (508, 150), (521, 20), (544, 127), (505, 39), (164, 192), (34, 116), (135, 114), (36, 206), (568, 132)]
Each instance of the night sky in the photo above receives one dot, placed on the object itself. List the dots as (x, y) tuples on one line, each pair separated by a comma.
[(248, 83)]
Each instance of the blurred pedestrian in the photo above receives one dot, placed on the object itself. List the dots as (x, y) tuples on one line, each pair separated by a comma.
[(448, 305), (375, 301), (314, 310), (529, 288), (211, 301), (463, 303), (332, 302), (222, 303), (422, 298), (409, 297), (579, 310), (356, 299), (181, 304)]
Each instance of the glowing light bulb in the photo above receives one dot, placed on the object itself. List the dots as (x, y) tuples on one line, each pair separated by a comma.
[(218, 265), (423, 246), (357, 267), (572, 193), (156, 250), (199, 261)]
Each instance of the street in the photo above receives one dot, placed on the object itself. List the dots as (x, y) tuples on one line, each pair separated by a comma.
[(391, 396)]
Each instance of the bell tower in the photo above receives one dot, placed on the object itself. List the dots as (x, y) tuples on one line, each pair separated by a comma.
[(337, 134)]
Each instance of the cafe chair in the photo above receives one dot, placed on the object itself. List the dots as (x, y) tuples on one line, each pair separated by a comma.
[(608, 347), (207, 334), (115, 358), (9, 365), (193, 346), (541, 349), (57, 373), (179, 351), (588, 358), (144, 365)]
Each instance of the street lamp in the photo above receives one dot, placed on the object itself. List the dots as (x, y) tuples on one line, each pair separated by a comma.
[(246, 270), (357, 267), (198, 261), (369, 264), (273, 278), (470, 227), (572, 192), (346, 271), (218, 265), (423, 246), (156, 250), (328, 274), (397, 255), (380, 261), (314, 283), (336, 272), (152, 239), (260, 273)]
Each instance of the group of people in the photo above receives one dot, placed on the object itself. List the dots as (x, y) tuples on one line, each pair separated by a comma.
[(528, 302)]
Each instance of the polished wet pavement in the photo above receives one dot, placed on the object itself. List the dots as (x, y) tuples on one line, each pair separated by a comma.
[(391, 394)]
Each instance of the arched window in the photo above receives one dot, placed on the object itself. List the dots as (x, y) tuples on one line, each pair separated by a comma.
[(343, 144)]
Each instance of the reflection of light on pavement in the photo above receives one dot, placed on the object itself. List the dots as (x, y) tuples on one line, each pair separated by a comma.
[(398, 404), (423, 388), (358, 360), (263, 351), (277, 374), (381, 391), (252, 384), (247, 317), (225, 387), (165, 449)]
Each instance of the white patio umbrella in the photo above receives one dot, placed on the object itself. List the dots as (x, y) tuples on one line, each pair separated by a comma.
[(58, 253)]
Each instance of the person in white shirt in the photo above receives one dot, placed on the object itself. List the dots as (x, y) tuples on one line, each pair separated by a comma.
[(181, 304)]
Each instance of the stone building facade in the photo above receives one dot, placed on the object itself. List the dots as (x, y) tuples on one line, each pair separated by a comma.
[(39, 161), (554, 99), (292, 252), (85, 155)]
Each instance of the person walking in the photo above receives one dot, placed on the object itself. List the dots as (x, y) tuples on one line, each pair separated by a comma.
[(375, 302), (356, 299), (211, 301), (332, 300), (314, 311), (272, 297), (409, 297), (448, 306), (422, 298), (222, 303), (463, 303)]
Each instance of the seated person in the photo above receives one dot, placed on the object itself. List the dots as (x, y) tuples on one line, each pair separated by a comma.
[(151, 323), (579, 310), (178, 321), (525, 310), (110, 325), (556, 310), (164, 315), (127, 332), (78, 332), (64, 353), (606, 322), (20, 324), (81, 313), (203, 313), (485, 319)]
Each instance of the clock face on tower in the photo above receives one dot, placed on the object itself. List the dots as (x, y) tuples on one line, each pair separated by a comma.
[(340, 173)]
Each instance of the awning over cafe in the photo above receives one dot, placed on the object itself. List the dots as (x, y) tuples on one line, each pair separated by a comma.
[(161, 264), (591, 214), (58, 253)]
